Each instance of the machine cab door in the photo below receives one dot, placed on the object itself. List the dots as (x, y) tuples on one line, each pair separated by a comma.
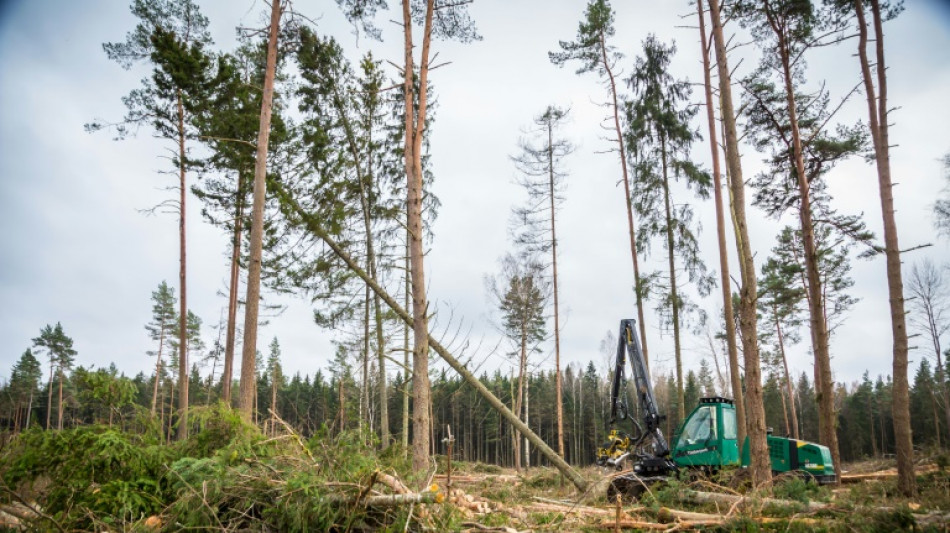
[(708, 436)]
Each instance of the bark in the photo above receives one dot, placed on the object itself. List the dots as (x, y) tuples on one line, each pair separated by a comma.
[(364, 390), (674, 295), (755, 416), (405, 353), (313, 225), (415, 129), (252, 302), (819, 326), (788, 381), (158, 367), (519, 397), (626, 190), (227, 376), (182, 278), (724, 281), (49, 402), (906, 481), (59, 411), (557, 325)]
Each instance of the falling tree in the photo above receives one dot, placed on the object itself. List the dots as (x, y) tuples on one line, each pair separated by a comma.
[(160, 329), (540, 162), (659, 137), (171, 37), (594, 53)]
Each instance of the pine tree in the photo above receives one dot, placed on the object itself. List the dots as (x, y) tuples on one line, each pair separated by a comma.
[(171, 37), (59, 349), (659, 137), (793, 126), (596, 55), (161, 329)]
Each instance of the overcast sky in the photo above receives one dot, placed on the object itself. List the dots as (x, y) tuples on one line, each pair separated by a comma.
[(76, 249)]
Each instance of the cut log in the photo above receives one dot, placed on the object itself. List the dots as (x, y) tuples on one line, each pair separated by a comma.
[(729, 499)]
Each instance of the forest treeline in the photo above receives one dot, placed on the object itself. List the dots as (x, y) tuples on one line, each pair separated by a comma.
[(317, 169), (311, 403)]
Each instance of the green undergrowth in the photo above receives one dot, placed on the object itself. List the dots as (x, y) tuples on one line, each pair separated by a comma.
[(227, 475)]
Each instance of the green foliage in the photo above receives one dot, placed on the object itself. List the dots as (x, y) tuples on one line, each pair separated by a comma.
[(90, 472)]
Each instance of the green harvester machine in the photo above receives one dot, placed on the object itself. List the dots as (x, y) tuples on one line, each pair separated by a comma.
[(707, 440)]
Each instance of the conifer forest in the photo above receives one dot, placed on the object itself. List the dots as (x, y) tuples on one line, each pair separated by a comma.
[(288, 265)]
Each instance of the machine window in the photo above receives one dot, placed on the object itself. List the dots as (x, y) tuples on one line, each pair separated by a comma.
[(729, 424), (701, 426)]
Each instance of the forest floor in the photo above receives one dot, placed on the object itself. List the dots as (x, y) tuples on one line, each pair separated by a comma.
[(539, 500), (230, 476)]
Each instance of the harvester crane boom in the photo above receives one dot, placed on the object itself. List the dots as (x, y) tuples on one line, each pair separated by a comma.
[(628, 346)]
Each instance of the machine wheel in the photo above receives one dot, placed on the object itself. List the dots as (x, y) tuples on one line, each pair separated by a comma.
[(630, 487)]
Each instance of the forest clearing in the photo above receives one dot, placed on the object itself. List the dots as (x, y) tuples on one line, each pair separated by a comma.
[(412, 219)]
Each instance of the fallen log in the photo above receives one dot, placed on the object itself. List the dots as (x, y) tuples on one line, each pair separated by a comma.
[(392, 482), (882, 474), (388, 500), (315, 225), (730, 499)]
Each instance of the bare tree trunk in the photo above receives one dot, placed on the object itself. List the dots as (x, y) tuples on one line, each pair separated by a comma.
[(183, 302), (59, 412), (755, 414), (227, 376), (626, 190), (405, 354), (906, 480), (415, 129), (158, 367), (788, 381), (364, 389), (248, 383), (724, 281), (519, 396), (557, 324), (49, 402), (341, 399), (826, 406), (674, 296)]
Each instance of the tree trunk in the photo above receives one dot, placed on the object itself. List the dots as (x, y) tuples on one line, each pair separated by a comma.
[(248, 383), (59, 412), (720, 223), (415, 129), (626, 200), (755, 417), (405, 354), (315, 227), (557, 325), (878, 116), (158, 367), (364, 390), (819, 326), (183, 302), (227, 376), (788, 381), (674, 296), (49, 402), (519, 396)]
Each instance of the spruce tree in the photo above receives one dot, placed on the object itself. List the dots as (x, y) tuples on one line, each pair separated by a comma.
[(659, 138)]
